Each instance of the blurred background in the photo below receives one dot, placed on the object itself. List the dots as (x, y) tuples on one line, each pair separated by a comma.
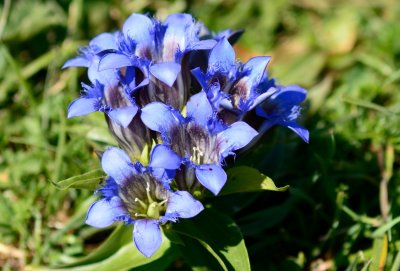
[(342, 209)]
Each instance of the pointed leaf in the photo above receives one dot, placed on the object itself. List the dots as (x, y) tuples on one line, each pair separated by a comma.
[(121, 236), (219, 235), (89, 180), (127, 256), (247, 179)]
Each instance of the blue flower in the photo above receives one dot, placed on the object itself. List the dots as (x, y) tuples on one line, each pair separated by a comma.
[(104, 93), (111, 100), (132, 194), (283, 108), (90, 57), (200, 139), (147, 41), (159, 50), (233, 88)]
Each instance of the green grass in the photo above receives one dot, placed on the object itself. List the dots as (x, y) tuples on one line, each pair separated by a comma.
[(342, 210)]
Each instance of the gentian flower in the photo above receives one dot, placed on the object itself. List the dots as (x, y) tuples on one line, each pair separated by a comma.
[(160, 52), (283, 108), (132, 194), (200, 139), (90, 56), (140, 78), (233, 88), (105, 93)]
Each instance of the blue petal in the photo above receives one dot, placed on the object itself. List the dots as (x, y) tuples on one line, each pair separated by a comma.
[(254, 71), (166, 72), (82, 106), (256, 67), (222, 57), (144, 83), (163, 157), (124, 115), (198, 107), (212, 177), (117, 164), (261, 112), (114, 61), (79, 61), (147, 236), (182, 204), (231, 35), (201, 78), (159, 117), (262, 97), (104, 41), (238, 135), (164, 175), (203, 45), (109, 189), (178, 35), (299, 130), (139, 28), (103, 212), (289, 96), (178, 20), (106, 77)]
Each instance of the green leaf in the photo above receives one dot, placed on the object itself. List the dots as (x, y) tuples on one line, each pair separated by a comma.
[(256, 222), (367, 104), (383, 229), (199, 257), (375, 63), (88, 180), (380, 253), (121, 236), (396, 262), (219, 236), (247, 179), (27, 19), (125, 257), (290, 68)]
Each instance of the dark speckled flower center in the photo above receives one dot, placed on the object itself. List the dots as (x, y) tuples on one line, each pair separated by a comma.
[(194, 142), (144, 197)]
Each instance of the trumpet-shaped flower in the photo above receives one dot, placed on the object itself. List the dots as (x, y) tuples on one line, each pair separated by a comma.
[(232, 86), (134, 195), (200, 139), (90, 56), (283, 108), (111, 100), (105, 93), (159, 50)]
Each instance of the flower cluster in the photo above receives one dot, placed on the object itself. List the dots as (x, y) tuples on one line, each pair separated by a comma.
[(176, 87)]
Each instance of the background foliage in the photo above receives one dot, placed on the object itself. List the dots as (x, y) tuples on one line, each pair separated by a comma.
[(342, 208)]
